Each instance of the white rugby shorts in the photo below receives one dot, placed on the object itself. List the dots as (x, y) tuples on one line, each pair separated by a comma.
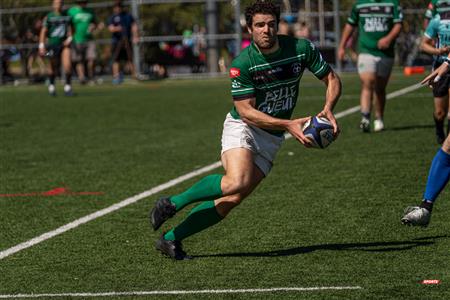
[(381, 66), (237, 134)]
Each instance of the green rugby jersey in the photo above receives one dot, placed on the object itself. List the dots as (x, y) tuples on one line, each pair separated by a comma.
[(274, 79), (437, 7), (57, 25), (81, 19), (375, 19)]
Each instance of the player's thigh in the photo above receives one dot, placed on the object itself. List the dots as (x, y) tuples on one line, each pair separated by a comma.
[(239, 169), (368, 80)]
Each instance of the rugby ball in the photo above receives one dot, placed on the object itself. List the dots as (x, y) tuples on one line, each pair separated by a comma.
[(320, 131)]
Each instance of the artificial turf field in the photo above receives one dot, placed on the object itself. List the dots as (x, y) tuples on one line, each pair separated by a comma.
[(322, 218)]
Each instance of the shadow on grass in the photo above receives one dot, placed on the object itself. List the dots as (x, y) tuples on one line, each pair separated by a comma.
[(367, 247), (410, 127)]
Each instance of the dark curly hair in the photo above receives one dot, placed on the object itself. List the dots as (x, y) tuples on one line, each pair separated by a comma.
[(266, 7)]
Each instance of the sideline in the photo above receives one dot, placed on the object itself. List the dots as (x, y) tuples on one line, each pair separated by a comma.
[(159, 188), (146, 293)]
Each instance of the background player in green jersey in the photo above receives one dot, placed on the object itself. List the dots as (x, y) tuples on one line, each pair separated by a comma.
[(84, 50), (265, 80), (379, 24), (57, 32), (440, 89)]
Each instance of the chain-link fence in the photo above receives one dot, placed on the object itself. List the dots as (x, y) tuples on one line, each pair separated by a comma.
[(185, 37)]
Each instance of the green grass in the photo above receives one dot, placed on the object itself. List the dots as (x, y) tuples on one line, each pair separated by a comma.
[(321, 218)]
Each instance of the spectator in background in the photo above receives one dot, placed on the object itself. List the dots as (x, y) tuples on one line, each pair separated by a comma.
[(84, 24), (284, 28), (29, 55), (302, 31), (56, 30), (124, 32)]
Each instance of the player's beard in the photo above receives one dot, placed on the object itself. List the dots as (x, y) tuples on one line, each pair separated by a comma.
[(266, 43)]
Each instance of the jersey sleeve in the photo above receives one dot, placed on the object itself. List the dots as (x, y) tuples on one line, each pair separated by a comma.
[(242, 86), (315, 62), (354, 16), (398, 14), (432, 29)]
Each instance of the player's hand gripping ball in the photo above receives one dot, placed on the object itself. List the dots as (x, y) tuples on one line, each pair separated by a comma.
[(320, 131)]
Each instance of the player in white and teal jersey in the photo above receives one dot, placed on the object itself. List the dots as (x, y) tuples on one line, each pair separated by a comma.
[(264, 85), (379, 24), (436, 41), (54, 42), (440, 92), (439, 173)]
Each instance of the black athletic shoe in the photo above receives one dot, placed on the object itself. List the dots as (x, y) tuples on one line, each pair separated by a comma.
[(173, 249), (163, 210)]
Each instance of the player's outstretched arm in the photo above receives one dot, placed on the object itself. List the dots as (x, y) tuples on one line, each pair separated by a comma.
[(252, 116), (436, 75), (334, 88)]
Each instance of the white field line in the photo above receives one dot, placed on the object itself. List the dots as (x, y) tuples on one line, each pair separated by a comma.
[(156, 189), (186, 292)]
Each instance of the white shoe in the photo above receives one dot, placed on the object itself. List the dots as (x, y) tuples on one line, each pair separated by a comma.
[(52, 89), (378, 125), (416, 216), (68, 90)]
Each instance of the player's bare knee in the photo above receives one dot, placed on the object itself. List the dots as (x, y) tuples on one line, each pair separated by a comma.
[(235, 185), (440, 114), (446, 145)]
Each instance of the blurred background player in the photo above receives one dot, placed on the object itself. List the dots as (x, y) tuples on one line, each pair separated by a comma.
[(432, 45), (124, 32), (379, 24), (56, 30), (84, 24)]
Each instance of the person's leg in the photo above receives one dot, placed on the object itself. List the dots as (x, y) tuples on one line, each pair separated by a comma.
[(53, 70), (438, 177), (380, 102), (90, 56), (367, 89), (67, 66), (439, 116), (439, 173), (241, 178)]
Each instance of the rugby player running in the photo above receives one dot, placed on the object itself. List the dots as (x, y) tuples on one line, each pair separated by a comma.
[(264, 85)]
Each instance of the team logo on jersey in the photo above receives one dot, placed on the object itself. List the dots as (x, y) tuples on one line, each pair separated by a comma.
[(235, 72), (296, 68), (235, 84)]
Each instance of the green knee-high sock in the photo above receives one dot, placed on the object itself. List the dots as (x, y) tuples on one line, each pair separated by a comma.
[(208, 188), (201, 217)]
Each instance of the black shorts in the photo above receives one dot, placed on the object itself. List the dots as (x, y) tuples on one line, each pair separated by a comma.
[(121, 51), (54, 51), (440, 89)]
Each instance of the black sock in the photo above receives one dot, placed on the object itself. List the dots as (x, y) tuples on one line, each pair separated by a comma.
[(52, 79), (439, 125), (68, 79), (427, 205), (365, 115)]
